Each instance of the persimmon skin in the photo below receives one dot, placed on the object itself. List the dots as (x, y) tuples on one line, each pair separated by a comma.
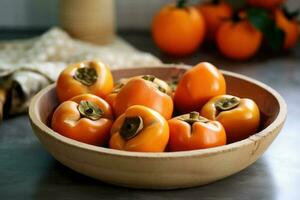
[(178, 31), (197, 86), (67, 86), (111, 99), (214, 15), (238, 40), (152, 138), (184, 137), (67, 121), (239, 122), (138, 91), (289, 27)]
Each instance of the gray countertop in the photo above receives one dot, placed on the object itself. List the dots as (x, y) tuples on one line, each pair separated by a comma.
[(27, 171)]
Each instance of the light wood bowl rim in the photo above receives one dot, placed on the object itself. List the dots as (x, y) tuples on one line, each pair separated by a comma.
[(33, 114)]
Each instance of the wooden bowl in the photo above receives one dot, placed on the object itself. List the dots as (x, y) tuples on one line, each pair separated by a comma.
[(163, 170)]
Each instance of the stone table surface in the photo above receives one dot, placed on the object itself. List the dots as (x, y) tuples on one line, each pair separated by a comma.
[(27, 171)]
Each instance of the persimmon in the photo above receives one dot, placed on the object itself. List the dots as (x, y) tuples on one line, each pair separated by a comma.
[(86, 118), (238, 40), (178, 29), (214, 14), (239, 116), (140, 129), (191, 132), (92, 77), (197, 86), (269, 4), (289, 25), (160, 84), (146, 90), (111, 97)]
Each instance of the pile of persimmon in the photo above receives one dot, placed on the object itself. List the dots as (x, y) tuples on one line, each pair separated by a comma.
[(239, 28), (145, 114)]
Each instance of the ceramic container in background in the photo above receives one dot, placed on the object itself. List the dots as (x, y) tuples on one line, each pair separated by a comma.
[(92, 20)]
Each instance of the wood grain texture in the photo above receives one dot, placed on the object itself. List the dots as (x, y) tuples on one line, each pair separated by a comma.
[(163, 170)]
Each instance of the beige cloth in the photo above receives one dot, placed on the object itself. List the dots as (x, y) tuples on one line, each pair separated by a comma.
[(27, 66)]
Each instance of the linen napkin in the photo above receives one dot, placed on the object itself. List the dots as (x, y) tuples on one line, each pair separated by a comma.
[(27, 66)]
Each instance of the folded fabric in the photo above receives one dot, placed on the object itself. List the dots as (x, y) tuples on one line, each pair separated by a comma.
[(27, 66)]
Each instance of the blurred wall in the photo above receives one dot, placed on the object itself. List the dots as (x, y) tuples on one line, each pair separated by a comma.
[(131, 14)]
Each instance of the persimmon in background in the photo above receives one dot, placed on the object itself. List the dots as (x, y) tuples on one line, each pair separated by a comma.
[(214, 14), (238, 28), (238, 40), (178, 29), (289, 25)]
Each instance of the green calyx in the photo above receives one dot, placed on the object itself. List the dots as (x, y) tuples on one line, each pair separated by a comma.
[(152, 78), (173, 84), (131, 127), (86, 75), (161, 89), (117, 88), (227, 104), (90, 110), (193, 117)]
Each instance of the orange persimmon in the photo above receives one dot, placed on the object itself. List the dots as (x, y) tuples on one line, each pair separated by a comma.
[(191, 132), (214, 14), (140, 129), (92, 77), (238, 40), (239, 116), (197, 86), (111, 97), (289, 26), (86, 118), (177, 29), (144, 90)]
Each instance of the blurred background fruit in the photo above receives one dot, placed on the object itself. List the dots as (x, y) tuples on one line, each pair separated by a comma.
[(239, 28), (238, 39), (289, 25), (178, 29), (214, 14)]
